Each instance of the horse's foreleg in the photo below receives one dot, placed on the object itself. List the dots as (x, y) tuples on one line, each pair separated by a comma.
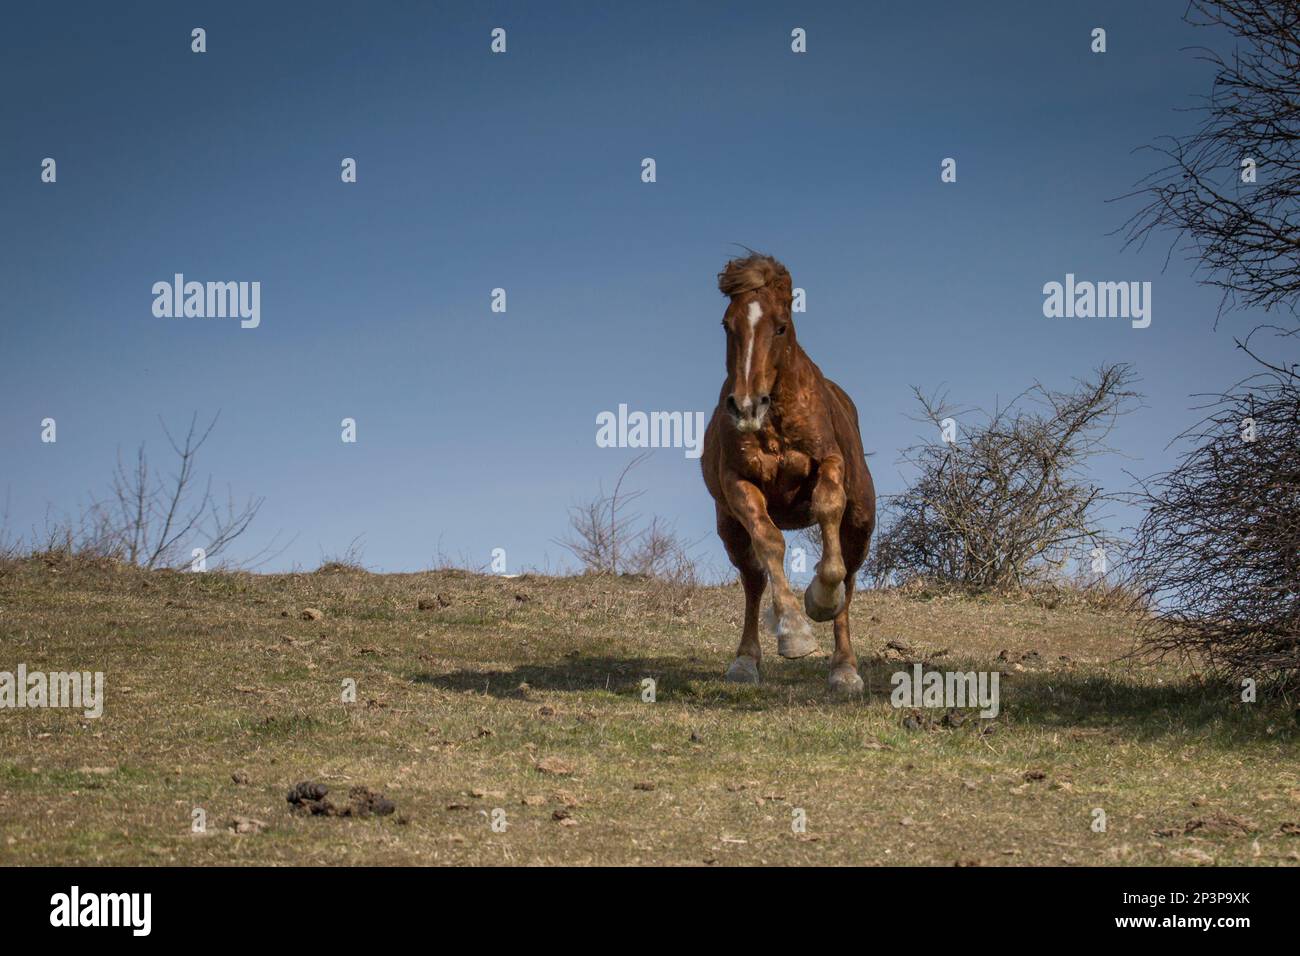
[(744, 669), (794, 637), (825, 595)]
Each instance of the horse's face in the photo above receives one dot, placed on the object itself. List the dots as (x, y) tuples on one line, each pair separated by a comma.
[(759, 336)]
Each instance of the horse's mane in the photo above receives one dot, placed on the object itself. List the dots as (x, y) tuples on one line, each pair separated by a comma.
[(753, 272)]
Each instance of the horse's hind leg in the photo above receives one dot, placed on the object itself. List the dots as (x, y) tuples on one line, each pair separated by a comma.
[(844, 677), (826, 594), (744, 669)]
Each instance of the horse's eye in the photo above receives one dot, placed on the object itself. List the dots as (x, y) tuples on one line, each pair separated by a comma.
[(780, 330)]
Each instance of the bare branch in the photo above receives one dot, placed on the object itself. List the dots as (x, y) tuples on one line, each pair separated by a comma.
[(1006, 504), (1240, 229)]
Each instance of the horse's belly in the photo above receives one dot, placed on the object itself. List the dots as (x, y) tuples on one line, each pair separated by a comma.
[(793, 519), (790, 508)]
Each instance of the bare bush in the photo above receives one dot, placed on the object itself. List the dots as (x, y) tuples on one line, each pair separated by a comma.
[(9, 544), (1244, 235), (351, 561), (1005, 504), (463, 563), (1217, 557), (153, 519), (607, 538)]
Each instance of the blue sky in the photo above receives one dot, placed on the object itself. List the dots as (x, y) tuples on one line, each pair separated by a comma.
[(476, 430)]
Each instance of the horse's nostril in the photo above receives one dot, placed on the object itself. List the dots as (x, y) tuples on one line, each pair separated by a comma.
[(765, 400), (732, 406)]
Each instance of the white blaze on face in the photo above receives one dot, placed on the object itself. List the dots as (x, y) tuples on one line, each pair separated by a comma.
[(755, 313)]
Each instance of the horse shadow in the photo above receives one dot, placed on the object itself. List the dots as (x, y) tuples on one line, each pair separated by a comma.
[(578, 673), (1058, 698)]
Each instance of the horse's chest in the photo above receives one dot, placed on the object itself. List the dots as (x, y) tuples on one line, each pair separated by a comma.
[(781, 471)]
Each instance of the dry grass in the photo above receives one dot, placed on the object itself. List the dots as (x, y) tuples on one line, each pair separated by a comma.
[(214, 676)]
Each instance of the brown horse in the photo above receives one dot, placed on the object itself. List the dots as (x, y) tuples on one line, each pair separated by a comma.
[(783, 451)]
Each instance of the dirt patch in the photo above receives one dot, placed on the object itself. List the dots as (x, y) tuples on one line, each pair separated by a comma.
[(313, 798), (1214, 824)]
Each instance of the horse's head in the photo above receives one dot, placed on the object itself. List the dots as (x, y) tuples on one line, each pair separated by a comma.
[(760, 334)]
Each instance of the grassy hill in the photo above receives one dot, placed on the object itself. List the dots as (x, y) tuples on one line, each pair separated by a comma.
[(524, 696)]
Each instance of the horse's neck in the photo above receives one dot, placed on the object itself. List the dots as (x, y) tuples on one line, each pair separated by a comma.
[(797, 379)]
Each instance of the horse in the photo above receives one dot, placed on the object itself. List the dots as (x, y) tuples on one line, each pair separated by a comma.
[(783, 451)]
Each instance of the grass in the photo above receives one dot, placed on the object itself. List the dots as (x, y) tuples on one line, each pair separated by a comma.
[(220, 697)]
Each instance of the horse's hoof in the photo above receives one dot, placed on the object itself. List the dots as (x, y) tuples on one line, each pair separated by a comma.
[(820, 605), (743, 670), (794, 637), (844, 680)]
